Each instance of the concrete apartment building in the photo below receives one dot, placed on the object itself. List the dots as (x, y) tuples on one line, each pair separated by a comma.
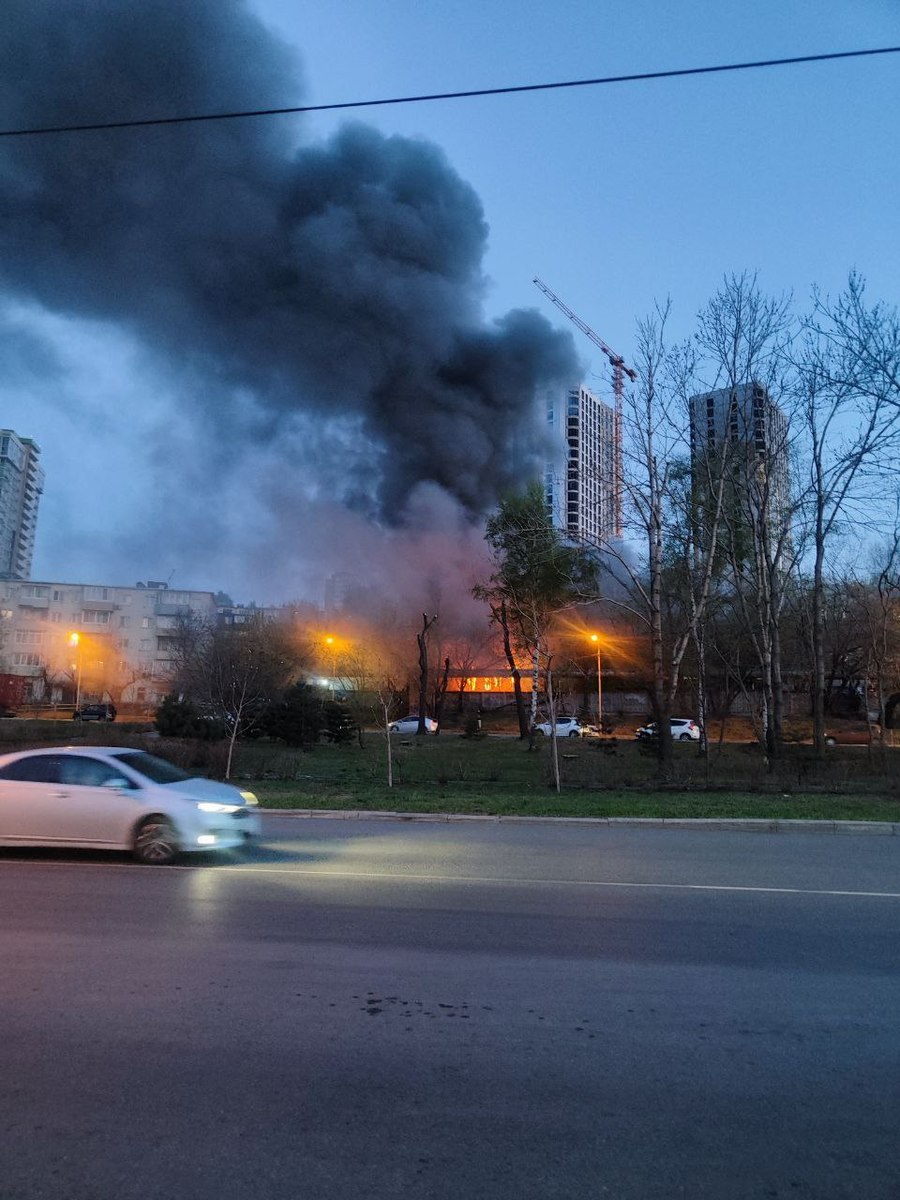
[(749, 422), (581, 486), (21, 485), (126, 640)]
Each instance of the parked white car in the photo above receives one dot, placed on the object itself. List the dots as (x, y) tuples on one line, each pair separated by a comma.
[(113, 798), (684, 729), (565, 727), (411, 725)]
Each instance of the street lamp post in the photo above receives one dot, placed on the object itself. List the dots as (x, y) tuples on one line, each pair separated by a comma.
[(595, 638), (75, 640), (329, 642)]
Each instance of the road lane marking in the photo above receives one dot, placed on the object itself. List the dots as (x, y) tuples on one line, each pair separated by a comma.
[(503, 881)]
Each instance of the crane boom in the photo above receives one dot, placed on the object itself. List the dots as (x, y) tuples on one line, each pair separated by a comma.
[(617, 362)]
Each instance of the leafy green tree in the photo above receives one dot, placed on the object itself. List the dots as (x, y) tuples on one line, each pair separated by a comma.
[(536, 575)]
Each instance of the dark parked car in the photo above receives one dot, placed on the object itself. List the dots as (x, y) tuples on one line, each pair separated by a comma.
[(95, 712)]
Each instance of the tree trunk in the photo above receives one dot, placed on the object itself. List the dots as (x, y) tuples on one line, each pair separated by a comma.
[(441, 694), (422, 641), (660, 692), (502, 618), (386, 709), (554, 741), (818, 638)]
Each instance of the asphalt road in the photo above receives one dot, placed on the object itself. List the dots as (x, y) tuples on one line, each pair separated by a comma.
[(364, 1009)]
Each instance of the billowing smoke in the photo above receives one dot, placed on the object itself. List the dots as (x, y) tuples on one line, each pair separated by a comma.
[(321, 302)]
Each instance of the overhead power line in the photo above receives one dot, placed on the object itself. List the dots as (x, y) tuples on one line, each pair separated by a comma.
[(495, 91)]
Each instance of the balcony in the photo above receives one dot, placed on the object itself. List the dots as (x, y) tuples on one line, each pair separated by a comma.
[(98, 606)]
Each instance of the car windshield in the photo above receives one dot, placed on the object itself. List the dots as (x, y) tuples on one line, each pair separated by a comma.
[(157, 770)]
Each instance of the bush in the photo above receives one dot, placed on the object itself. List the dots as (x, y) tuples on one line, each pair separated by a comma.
[(339, 726), (303, 717), (178, 717)]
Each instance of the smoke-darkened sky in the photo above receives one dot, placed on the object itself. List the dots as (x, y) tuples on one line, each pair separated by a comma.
[(254, 352), (310, 311)]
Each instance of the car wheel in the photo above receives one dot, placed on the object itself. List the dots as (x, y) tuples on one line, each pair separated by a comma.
[(685, 737), (574, 733), (155, 842)]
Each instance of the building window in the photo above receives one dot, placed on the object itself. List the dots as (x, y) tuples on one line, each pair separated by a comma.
[(94, 618)]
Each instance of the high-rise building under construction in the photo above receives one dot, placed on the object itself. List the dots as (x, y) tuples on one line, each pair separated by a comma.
[(581, 484), (751, 432)]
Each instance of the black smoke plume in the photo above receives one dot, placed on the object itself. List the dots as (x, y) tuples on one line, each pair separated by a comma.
[(325, 295)]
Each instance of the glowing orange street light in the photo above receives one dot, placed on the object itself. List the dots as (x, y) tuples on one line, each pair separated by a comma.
[(329, 642), (75, 640), (595, 638)]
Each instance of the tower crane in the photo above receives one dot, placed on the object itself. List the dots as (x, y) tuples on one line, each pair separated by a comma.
[(617, 362)]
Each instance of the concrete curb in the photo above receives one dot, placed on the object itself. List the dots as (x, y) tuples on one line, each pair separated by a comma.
[(733, 824)]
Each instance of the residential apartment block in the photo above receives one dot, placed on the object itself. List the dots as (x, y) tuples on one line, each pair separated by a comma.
[(126, 637), (581, 485), (21, 485), (754, 429)]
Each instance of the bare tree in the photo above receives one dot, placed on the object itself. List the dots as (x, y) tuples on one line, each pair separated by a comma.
[(234, 671), (848, 379), (743, 336), (876, 615), (662, 575)]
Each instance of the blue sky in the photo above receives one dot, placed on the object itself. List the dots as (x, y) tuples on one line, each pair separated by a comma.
[(617, 196), (621, 195)]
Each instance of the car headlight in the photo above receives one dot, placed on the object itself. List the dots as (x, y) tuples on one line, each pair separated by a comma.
[(210, 806), (249, 798)]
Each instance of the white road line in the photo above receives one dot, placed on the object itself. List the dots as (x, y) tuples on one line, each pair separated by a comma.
[(510, 881)]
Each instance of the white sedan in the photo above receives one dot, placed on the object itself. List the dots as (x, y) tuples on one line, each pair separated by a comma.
[(112, 798), (411, 725)]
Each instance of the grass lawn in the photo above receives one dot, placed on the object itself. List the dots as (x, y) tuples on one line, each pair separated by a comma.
[(498, 776)]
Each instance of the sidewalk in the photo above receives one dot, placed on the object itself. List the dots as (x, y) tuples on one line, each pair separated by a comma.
[(735, 824)]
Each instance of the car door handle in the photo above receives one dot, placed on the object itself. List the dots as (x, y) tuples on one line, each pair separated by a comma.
[(59, 795)]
